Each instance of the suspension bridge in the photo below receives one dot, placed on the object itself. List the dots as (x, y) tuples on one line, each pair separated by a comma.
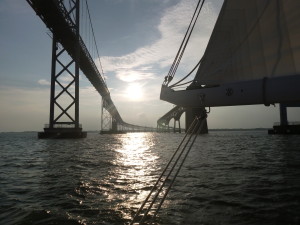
[(70, 55), (63, 22)]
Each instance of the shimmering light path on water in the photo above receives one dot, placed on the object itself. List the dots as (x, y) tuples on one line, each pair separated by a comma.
[(230, 177)]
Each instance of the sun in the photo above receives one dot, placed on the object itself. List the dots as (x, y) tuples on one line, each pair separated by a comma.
[(134, 92)]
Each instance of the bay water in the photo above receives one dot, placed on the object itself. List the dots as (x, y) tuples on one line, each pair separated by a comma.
[(229, 177)]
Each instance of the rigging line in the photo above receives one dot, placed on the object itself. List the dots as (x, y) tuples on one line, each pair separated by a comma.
[(169, 77), (179, 85), (168, 189), (87, 6), (172, 169), (181, 45), (177, 64), (184, 43), (201, 121), (174, 85), (157, 181)]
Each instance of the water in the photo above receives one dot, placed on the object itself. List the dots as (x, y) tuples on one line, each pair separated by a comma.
[(230, 177)]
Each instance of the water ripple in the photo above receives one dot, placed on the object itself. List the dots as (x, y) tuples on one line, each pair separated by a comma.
[(231, 177)]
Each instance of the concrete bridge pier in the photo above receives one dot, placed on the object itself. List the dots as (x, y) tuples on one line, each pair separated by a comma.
[(191, 113), (175, 129), (283, 115), (284, 127)]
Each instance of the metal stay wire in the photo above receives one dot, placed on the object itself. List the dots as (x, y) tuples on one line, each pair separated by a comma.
[(159, 179), (194, 130), (201, 121), (170, 172), (184, 43), (185, 40)]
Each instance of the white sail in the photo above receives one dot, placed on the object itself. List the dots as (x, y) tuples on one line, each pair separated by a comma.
[(252, 39)]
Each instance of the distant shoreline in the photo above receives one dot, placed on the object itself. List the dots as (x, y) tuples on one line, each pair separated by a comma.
[(216, 129), (238, 129)]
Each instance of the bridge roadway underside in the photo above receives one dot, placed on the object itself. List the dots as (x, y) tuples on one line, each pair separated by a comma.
[(56, 20), (176, 113), (55, 16)]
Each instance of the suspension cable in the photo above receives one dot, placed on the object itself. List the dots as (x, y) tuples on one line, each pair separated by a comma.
[(88, 11)]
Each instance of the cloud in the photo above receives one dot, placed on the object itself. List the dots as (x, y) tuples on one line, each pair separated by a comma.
[(63, 79), (148, 64), (144, 61), (66, 78), (132, 75), (44, 82)]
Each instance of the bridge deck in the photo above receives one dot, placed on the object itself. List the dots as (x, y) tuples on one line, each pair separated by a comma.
[(56, 18)]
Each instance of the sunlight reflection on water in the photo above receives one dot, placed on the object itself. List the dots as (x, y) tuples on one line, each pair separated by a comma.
[(136, 170)]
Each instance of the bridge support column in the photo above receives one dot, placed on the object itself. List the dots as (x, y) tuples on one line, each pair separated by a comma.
[(179, 128), (190, 115), (285, 127), (64, 97), (283, 115)]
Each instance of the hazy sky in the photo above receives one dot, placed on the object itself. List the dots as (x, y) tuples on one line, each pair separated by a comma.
[(137, 40)]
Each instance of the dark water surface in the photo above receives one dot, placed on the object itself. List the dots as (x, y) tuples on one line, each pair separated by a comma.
[(230, 177)]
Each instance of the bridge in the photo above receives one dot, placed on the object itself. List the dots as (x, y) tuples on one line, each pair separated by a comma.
[(69, 56), (163, 123)]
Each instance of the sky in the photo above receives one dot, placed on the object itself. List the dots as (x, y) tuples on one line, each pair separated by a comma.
[(137, 42)]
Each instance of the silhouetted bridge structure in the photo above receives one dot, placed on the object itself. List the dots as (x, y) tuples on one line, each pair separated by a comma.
[(69, 55), (163, 123)]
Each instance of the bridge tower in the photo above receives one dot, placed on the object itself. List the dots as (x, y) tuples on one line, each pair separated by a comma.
[(64, 93), (108, 123), (177, 121)]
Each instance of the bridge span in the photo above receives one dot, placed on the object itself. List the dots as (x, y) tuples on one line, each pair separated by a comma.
[(62, 18), (163, 123)]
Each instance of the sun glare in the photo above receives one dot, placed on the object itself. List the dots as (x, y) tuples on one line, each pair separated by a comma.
[(134, 92)]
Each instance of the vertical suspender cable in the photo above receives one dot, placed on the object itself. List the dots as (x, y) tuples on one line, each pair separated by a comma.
[(94, 39)]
